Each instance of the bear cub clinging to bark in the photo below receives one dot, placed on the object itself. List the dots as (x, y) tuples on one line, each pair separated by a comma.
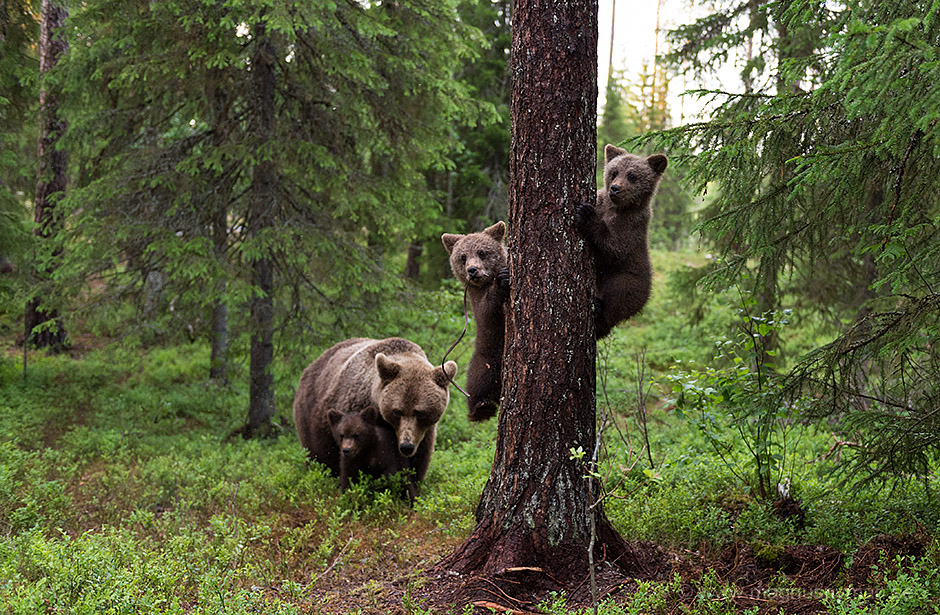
[(366, 447), (616, 230), (479, 261)]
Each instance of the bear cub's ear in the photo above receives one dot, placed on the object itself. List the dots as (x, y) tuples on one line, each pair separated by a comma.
[(496, 231), (611, 152), (450, 240), (335, 416), (370, 414), (658, 163)]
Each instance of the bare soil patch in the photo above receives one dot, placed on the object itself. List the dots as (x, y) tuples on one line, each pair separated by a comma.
[(794, 581)]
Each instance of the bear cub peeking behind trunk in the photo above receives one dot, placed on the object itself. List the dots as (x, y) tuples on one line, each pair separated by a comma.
[(479, 261), (616, 230), (367, 447)]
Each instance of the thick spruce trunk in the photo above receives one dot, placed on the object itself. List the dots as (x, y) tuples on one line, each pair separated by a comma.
[(261, 405), (51, 181), (535, 510)]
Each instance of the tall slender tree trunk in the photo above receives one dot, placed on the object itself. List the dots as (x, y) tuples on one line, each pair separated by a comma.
[(218, 355), (261, 406), (771, 260), (218, 358), (51, 180), (861, 381), (753, 11), (413, 262), (536, 510), (610, 51)]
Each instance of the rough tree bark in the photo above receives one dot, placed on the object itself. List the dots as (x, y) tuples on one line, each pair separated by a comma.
[(261, 405), (51, 180), (535, 510)]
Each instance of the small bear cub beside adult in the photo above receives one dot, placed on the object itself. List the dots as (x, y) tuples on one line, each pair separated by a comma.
[(366, 447), (616, 229), (480, 262)]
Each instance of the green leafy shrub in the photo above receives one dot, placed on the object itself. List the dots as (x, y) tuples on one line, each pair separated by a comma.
[(913, 590), (737, 403)]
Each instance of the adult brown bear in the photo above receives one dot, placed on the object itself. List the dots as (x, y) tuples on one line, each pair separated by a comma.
[(395, 376)]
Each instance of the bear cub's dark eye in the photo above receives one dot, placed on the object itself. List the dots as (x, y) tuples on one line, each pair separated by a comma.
[(631, 177), (463, 258), (613, 175), (481, 254)]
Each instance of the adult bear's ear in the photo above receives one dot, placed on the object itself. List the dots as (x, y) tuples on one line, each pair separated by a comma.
[(658, 163), (335, 416), (445, 377), (388, 369), (450, 240), (496, 231)]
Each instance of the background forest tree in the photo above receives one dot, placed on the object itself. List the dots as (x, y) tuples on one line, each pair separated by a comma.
[(19, 97), (191, 192), (43, 325), (826, 165)]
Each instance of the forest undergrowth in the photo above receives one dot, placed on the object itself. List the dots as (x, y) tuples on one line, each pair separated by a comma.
[(123, 490)]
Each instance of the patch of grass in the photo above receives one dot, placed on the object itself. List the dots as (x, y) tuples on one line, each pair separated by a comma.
[(30, 496), (115, 571)]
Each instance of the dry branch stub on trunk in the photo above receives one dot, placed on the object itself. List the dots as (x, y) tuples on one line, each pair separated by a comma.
[(533, 519)]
